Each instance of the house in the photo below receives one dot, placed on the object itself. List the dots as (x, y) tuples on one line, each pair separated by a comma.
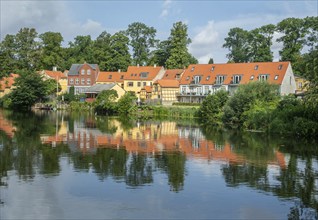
[(138, 77), (82, 76), (59, 76), (301, 85), (199, 80), (93, 91), (166, 91), (7, 84), (145, 93), (111, 77)]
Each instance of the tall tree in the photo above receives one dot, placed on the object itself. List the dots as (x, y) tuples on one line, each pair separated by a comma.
[(260, 41), (51, 51), (179, 57), (7, 55), (293, 39), (211, 61), (27, 49), (238, 45), (101, 50), (142, 39), (161, 54), (81, 50), (120, 56)]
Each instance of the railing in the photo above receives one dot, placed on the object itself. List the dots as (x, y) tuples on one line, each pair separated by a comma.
[(191, 94)]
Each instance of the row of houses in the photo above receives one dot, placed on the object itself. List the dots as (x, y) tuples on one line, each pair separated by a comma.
[(190, 85)]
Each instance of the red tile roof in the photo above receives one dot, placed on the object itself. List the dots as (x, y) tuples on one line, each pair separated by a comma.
[(249, 73), (55, 74), (148, 89), (172, 74), (142, 72), (110, 77), (7, 82), (168, 83)]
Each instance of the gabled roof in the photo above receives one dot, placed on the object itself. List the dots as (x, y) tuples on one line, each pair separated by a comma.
[(8, 81), (97, 88), (168, 83), (172, 74), (55, 74), (142, 72), (110, 77), (148, 89), (76, 67), (248, 71)]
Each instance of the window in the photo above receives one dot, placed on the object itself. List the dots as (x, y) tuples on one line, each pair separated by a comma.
[(280, 66), (122, 77), (135, 74), (132, 74), (150, 83), (88, 72), (276, 77), (71, 81), (252, 77), (219, 79), (110, 76), (192, 69), (130, 84), (263, 77), (300, 85), (197, 79), (76, 81), (188, 77), (212, 69), (206, 90), (88, 81), (199, 90), (83, 72), (183, 89), (144, 74), (144, 83), (207, 78), (256, 67), (138, 84), (83, 81), (237, 79)]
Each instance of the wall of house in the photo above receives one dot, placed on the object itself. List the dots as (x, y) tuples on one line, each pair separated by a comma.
[(135, 88), (63, 83), (288, 85), (120, 91)]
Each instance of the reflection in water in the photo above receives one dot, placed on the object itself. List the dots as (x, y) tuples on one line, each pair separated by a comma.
[(132, 152)]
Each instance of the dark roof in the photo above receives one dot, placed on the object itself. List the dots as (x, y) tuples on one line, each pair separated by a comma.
[(76, 67), (97, 88)]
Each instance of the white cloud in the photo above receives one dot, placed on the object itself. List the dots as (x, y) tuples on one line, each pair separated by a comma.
[(166, 7)]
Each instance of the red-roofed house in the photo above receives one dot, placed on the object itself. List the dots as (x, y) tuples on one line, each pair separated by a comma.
[(138, 77), (166, 91), (59, 76), (200, 80), (111, 77), (6, 84), (175, 74), (145, 93)]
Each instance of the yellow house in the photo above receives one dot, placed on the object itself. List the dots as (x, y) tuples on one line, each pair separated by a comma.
[(111, 77), (165, 90), (6, 84), (145, 93), (138, 77), (58, 76), (93, 91), (301, 85)]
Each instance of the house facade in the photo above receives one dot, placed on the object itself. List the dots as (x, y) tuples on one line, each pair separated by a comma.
[(6, 84), (111, 77), (138, 77), (199, 80), (165, 90), (93, 91), (59, 76), (82, 76)]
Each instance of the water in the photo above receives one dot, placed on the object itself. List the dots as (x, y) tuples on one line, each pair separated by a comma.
[(56, 165)]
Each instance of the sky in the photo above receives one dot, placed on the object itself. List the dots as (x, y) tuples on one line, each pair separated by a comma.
[(208, 21)]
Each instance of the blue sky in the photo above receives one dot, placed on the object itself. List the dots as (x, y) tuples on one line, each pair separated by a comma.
[(208, 21)]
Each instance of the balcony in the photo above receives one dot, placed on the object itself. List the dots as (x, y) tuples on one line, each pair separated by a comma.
[(192, 94)]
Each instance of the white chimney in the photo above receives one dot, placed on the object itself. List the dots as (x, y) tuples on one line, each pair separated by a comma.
[(119, 70), (155, 65), (138, 65), (54, 68)]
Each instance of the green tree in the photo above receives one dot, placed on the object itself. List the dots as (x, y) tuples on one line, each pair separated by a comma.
[(179, 57), (120, 56), (161, 54), (105, 101), (126, 104), (51, 50), (7, 55), (102, 51), (211, 109), (81, 50), (29, 89), (27, 49), (238, 45), (211, 61), (52, 87), (244, 98), (142, 39)]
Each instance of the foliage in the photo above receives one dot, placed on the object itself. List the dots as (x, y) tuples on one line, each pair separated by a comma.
[(30, 88), (105, 102), (244, 98), (52, 87), (211, 109), (127, 104), (211, 61)]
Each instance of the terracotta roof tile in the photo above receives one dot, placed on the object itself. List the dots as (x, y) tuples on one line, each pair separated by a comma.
[(142, 72), (55, 74), (249, 72), (148, 89), (173, 74), (110, 77), (168, 83)]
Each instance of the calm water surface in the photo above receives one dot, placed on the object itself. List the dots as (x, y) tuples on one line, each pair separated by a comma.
[(56, 165)]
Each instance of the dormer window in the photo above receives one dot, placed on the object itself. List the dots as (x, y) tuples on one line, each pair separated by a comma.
[(263, 77), (110, 76), (188, 77), (220, 79), (256, 67), (252, 77), (276, 77), (132, 74), (122, 76), (83, 72), (197, 79), (280, 66), (192, 69), (237, 79), (212, 69), (207, 78)]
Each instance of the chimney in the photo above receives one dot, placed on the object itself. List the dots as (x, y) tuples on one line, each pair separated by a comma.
[(54, 68), (119, 70), (155, 65), (138, 65)]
